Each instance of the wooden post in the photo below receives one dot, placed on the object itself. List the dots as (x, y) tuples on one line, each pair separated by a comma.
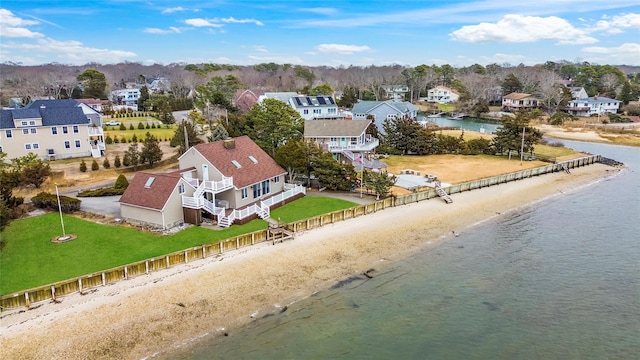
[(126, 273), (146, 264), (80, 284), (167, 260), (221, 247), (204, 251), (53, 292), (253, 238), (103, 280), (237, 242), (186, 257), (26, 299)]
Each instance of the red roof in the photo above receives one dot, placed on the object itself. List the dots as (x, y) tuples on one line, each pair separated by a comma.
[(255, 164), (148, 193)]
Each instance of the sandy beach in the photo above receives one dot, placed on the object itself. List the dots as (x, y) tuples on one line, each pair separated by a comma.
[(140, 317)]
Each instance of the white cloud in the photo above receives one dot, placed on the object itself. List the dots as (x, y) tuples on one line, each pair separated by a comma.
[(241, 21), (519, 28), (260, 48), (616, 24), (171, 30), (199, 22), (173, 9), (342, 48), (71, 51), (15, 27), (626, 53), (320, 10)]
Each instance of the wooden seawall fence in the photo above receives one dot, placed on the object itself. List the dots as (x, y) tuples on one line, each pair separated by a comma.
[(88, 282)]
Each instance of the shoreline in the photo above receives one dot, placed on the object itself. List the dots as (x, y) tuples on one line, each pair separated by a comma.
[(154, 313)]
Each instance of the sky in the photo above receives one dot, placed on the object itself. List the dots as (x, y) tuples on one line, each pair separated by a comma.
[(320, 33)]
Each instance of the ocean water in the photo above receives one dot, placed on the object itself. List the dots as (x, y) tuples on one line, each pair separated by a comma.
[(557, 279)]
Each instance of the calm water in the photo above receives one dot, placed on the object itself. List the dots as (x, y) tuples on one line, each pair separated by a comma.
[(465, 124), (558, 279)]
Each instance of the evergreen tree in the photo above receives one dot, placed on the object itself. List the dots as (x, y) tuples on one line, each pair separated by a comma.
[(218, 133), (94, 83), (116, 162), (121, 182), (83, 166), (94, 165), (178, 137), (132, 156), (106, 164), (36, 173), (151, 152)]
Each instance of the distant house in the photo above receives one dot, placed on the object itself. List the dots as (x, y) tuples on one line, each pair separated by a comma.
[(315, 107), (442, 94), (515, 102), (345, 139), (578, 93), (95, 104), (127, 97), (282, 96), (158, 85), (52, 129), (397, 92), (379, 111), (231, 180), (244, 100), (592, 106)]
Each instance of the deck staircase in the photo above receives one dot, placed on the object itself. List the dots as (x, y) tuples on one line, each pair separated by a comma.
[(443, 194), (565, 168)]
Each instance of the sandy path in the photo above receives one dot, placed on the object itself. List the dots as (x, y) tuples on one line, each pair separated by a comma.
[(136, 318)]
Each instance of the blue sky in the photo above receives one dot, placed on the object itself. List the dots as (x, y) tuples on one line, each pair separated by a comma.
[(330, 33)]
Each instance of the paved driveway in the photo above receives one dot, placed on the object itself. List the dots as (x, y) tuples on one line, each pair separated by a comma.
[(105, 205)]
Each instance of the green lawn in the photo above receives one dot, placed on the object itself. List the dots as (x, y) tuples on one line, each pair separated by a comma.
[(161, 133), (29, 259)]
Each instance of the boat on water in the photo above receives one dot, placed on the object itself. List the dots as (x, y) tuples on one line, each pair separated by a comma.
[(438, 115), (459, 116)]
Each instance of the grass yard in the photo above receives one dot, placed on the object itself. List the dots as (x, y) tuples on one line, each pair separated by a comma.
[(162, 133), (29, 258)]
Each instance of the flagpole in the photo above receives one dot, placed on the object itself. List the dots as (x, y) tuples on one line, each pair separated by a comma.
[(60, 210)]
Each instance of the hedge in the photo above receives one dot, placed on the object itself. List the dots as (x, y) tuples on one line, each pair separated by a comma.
[(101, 192), (46, 200)]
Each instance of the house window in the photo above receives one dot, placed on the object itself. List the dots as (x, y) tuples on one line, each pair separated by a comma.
[(181, 189), (32, 122), (256, 190), (65, 130), (276, 179), (54, 131), (33, 130), (75, 129), (333, 140), (354, 141), (24, 123), (25, 131), (35, 146), (244, 193), (77, 143), (266, 187), (8, 134), (317, 111), (27, 146), (67, 145), (306, 111)]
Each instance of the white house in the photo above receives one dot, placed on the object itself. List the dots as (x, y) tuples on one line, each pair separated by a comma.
[(379, 111), (315, 107), (593, 106), (579, 93), (395, 91), (442, 94), (127, 97), (52, 129)]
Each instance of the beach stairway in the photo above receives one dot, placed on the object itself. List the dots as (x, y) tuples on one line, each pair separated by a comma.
[(565, 168), (443, 194)]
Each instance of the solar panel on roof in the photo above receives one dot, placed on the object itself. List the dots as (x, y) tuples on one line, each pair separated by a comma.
[(309, 101), (298, 101), (331, 101), (321, 100)]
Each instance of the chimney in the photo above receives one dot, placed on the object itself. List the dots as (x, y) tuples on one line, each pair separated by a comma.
[(229, 143)]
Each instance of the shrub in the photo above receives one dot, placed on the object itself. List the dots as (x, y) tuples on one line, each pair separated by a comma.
[(94, 165), (147, 126), (123, 139), (116, 162), (121, 182), (101, 192), (122, 127), (83, 166), (108, 140), (141, 125), (131, 127), (153, 125), (106, 164), (46, 200), (134, 138), (115, 140)]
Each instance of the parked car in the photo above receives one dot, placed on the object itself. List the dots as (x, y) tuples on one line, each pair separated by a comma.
[(112, 123)]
